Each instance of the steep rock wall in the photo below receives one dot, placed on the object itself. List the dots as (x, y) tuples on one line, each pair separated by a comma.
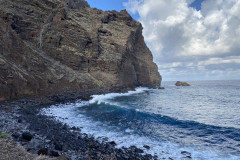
[(58, 46)]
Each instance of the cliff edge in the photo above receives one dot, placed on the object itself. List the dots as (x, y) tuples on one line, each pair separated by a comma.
[(58, 46)]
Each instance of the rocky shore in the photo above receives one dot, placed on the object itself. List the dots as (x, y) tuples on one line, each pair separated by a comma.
[(69, 50), (40, 134)]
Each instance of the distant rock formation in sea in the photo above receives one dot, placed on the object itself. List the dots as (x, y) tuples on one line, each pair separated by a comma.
[(59, 46), (179, 83)]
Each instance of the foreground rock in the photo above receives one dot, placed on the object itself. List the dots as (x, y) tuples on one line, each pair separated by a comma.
[(54, 139), (10, 150), (178, 83), (27, 136), (161, 88), (50, 43)]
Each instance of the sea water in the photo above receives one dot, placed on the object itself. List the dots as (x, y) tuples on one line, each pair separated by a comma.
[(202, 120)]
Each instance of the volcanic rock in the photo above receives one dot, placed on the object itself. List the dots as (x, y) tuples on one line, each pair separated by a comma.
[(50, 47), (146, 146), (27, 136), (15, 135), (43, 151)]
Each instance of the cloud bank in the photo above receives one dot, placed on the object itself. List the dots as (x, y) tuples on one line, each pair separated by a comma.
[(190, 44)]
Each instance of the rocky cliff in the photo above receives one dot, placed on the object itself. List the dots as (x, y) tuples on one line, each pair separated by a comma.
[(58, 46)]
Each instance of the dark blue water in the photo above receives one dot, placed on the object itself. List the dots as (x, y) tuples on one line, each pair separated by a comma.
[(203, 119)]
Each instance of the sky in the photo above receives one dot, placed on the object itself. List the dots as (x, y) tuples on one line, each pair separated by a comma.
[(189, 39), (106, 5)]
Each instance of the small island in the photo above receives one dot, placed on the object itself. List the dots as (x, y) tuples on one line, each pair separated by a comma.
[(179, 83)]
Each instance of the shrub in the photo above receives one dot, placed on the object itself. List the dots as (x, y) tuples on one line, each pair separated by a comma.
[(2, 135)]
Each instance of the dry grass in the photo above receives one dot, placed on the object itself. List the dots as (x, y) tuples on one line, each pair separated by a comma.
[(10, 150)]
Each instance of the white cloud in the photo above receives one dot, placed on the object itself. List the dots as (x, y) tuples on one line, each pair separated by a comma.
[(132, 5), (190, 1), (228, 60), (180, 36)]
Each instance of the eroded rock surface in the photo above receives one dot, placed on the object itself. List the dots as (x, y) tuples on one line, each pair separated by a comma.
[(58, 46)]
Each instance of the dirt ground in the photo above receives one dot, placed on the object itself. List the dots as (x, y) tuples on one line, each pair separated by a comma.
[(10, 150)]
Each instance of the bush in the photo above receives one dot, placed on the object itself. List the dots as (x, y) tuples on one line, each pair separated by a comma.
[(2, 135)]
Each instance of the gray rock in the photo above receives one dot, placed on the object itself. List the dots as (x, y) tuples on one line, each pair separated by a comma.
[(43, 151), (15, 135), (54, 154), (27, 136), (146, 146)]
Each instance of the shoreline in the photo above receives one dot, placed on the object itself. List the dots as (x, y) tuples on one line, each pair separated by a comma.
[(53, 138)]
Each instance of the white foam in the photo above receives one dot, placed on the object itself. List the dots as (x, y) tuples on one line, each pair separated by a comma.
[(67, 113), (104, 98)]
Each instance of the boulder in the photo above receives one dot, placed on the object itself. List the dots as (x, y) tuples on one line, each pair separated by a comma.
[(58, 146), (146, 146), (54, 154), (16, 135), (179, 83), (43, 151), (27, 136)]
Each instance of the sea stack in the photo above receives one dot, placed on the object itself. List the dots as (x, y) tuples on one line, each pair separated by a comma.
[(179, 83), (59, 46)]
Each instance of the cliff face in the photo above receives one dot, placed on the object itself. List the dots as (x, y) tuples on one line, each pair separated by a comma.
[(57, 46)]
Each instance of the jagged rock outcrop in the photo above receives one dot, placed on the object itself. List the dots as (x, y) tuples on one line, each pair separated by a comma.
[(57, 46)]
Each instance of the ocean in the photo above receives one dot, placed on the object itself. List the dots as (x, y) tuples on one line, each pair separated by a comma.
[(201, 121)]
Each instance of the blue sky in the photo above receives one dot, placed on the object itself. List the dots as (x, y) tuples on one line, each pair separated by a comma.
[(197, 4), (189, 39), (106, 5), (118, 5)]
